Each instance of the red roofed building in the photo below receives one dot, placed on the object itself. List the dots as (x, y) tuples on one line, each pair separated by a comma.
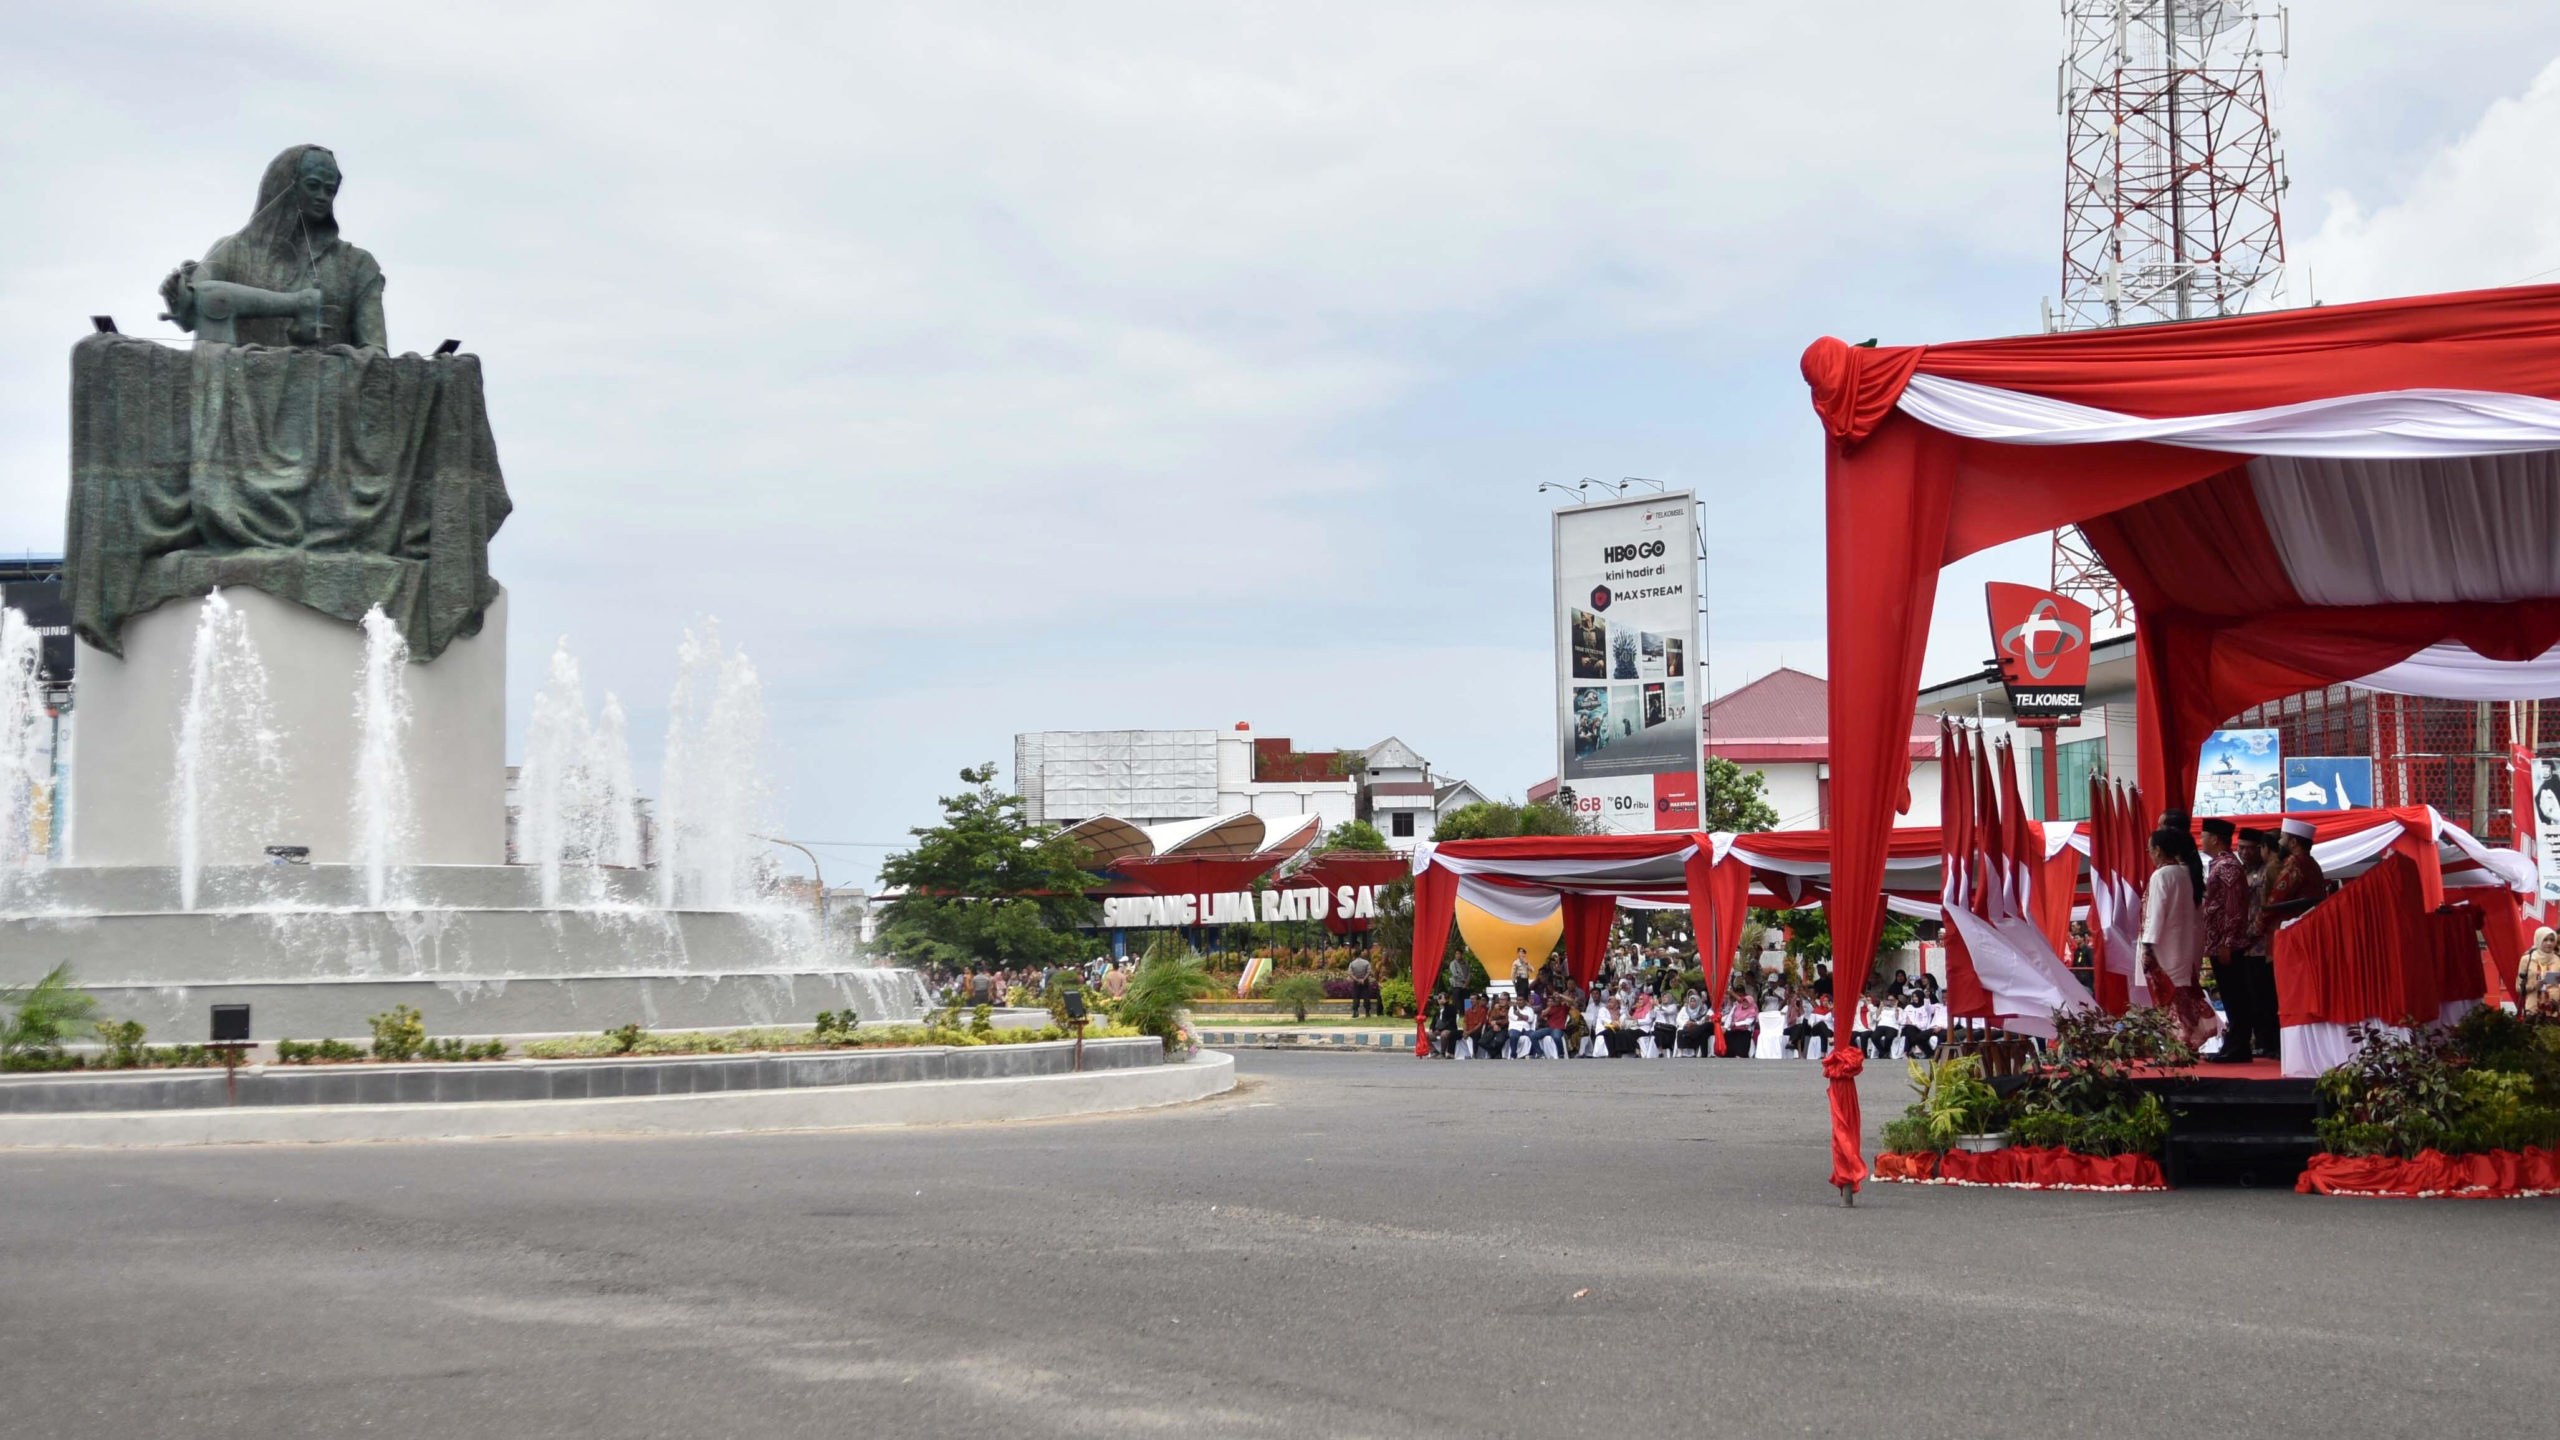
[(1780, 725)]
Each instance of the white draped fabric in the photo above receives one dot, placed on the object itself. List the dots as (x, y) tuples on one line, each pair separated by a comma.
[(2456, 672), (2378, 531), (2311, 1051), (1511, 903), (2389, 423)]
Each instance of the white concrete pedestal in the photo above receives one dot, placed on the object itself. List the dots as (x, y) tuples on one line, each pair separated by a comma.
[(124, 744)]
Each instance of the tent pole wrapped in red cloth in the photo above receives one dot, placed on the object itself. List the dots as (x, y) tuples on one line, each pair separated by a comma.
[(1719, 903), (1587, 919), (1435, 909)]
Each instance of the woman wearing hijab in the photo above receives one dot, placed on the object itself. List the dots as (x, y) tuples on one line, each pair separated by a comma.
[(2173, 934), (2538, 978)]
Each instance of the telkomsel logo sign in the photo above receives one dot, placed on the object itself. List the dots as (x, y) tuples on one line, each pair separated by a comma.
[(2043, 644)]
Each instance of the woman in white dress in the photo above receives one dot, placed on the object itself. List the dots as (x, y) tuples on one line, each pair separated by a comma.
[(1772, 1041)]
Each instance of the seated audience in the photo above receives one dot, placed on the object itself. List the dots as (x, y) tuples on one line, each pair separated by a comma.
[(1741, 1022), (1524, 1023), (1446, 1019)]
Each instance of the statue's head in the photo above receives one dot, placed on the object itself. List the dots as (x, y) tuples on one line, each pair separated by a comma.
[(298, 192), (316, 184)]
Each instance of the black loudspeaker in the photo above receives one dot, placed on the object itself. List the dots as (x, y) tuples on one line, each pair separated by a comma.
[(230, 1024), (1073, 1000)]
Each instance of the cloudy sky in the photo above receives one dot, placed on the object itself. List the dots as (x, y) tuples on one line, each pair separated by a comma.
[(988, 368)]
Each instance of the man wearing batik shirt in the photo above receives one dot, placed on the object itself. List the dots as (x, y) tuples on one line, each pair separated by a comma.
[(2227, 936)]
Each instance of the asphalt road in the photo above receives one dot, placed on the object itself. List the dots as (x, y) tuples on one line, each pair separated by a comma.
[(1350, 1245)]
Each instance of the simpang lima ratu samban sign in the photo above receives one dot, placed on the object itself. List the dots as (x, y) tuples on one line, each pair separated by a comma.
[(1627, 689), (1241, 907)]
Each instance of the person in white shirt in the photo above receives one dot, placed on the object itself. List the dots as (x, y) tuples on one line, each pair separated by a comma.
[(1920, 1029), (1524, 1023), (1887, 1029)]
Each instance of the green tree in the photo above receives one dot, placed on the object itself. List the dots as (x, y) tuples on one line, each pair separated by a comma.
[(1733, 799), (1809, 932), (987, 887), (1353, 835), (1499, 819)]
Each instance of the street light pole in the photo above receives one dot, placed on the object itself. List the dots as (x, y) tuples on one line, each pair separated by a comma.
[(815, 873)]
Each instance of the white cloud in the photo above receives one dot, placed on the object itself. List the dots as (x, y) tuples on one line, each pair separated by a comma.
[(2480, 213)]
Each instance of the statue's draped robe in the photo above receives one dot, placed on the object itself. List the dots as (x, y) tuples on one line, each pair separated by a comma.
[(340, 478)]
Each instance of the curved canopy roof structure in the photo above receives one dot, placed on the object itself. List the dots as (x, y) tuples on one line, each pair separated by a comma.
[(1108, 838)]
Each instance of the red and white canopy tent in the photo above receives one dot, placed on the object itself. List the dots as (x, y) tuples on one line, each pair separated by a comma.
[(1719, 877), (2364, 493)]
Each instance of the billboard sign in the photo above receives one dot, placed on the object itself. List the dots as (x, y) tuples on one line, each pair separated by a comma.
[(2546, 825), (1627, 692), (2042, 640), (2328, 782), (2239, 774)]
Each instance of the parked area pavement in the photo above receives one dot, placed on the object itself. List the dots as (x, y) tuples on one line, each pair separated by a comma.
[(1348, 1244)]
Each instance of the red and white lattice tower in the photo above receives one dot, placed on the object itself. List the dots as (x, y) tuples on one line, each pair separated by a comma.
[(2172, 185)]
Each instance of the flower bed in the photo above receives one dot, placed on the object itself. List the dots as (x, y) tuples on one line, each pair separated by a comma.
[(2024, 1167)]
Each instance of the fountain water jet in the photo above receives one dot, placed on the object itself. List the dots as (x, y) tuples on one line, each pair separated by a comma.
[(27, 810), (382, 822), (716, 801), (576, 802), (229, 758)]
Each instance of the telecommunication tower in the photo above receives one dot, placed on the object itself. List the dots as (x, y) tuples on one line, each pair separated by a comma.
[(2172, 183)]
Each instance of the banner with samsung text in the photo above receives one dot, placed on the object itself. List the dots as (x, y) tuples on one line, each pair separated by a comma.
[(1627, 689)]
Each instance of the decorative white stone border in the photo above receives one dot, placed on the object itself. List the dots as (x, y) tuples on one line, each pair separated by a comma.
[(732, 1112)]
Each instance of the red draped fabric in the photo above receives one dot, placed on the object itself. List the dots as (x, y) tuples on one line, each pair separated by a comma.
[(1719, 904), (2365, 953), (2026, 1167), (2502, 928), (1587, 919), (2453, 935), (1435, 909), (2494, 1175)]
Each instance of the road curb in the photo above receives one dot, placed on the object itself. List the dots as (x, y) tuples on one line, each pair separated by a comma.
[(838, 1107), (1248, 1038)]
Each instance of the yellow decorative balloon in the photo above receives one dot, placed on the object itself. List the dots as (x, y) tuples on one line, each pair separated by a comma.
[(1493, 939)]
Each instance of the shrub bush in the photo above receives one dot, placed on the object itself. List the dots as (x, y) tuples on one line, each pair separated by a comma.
[(1298, 993), (1337, 987), (42, 1019), (1396, 997), (1162, 989), (398, 1034), (296, 1052), (122, 1040)]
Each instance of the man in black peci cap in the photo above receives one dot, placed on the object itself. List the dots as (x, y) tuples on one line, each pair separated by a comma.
[(2227, 933)]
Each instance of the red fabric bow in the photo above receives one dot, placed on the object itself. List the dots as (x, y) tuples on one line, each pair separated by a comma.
[(1848, 1164), (1856, 386)]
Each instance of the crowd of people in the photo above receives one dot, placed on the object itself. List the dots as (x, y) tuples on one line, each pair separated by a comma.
[(1636, 1014)]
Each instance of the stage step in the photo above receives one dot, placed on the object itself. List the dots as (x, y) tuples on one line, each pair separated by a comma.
[(2230, 1131)]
